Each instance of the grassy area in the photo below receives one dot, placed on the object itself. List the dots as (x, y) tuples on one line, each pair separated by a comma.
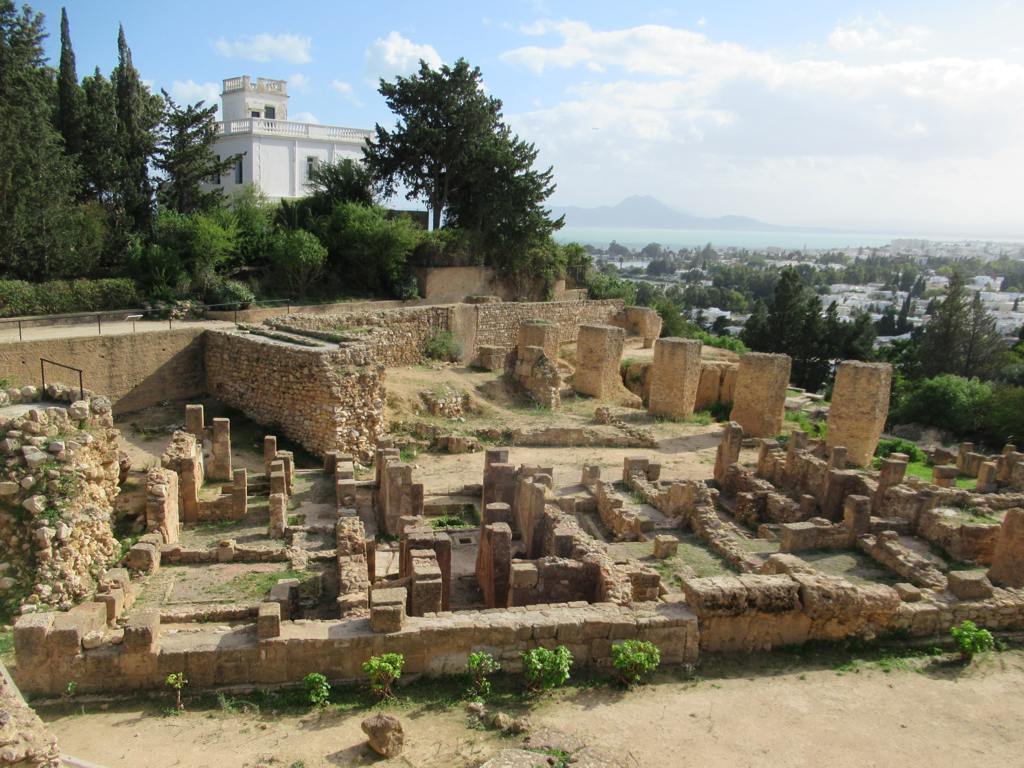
[(7, 648), (924, 471), (852, 565), (258, 584), (695, 556)]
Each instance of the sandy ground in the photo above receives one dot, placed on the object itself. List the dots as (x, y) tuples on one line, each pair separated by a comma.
[(790, 715), (9, 330)]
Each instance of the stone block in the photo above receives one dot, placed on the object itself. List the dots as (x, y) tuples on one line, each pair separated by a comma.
[(268, 620), (969, 585), (675, 376), (1008, 560), (860, 405), (143, 557), (759, 401), (665, 546), (142, 632)]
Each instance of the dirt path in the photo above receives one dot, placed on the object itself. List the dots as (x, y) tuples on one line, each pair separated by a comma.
[(741, 716)]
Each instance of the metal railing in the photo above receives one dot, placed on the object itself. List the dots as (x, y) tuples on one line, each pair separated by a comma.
[(42, 373)]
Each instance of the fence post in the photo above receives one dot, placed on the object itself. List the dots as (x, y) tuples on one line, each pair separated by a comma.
[(99, 326), (19, 331), (42, 372)]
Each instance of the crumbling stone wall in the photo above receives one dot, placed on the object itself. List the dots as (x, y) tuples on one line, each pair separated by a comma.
[(56, 501), (759, 401), (675, 376), (717, 383), (639, 321), (860, 404)]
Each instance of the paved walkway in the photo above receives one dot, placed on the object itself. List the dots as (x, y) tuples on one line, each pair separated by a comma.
[(9, 331)]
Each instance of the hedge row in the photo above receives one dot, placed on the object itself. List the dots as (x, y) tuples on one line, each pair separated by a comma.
[(18, 297)]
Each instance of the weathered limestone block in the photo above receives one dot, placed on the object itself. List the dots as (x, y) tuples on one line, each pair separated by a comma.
[(387, 609), (240, 493), (728, 450), (142, 632), (987, 471), (144, 557), (641, 321), (860, 404), (759, 402), (384, 734), (970, 585), (26, 743), (538, 333), (494, 564), (195, 421), (665, 546), (491, 357), (220, 450), (675, 377), (857, 514), (268, 620), (278, 515), (1008, 561), (945, 476), (269, 452), (162, 497), (598, 355), (425, 587)]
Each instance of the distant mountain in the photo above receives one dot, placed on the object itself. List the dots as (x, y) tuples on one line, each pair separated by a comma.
[(644, 212)]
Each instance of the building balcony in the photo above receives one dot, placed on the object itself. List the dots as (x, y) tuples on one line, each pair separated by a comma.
[(290, 129), (262, 85)]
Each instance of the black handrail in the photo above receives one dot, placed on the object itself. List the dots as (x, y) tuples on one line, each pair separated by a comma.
[(42, 371)]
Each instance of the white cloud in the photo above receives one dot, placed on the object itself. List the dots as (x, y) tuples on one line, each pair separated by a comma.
[(346, 90), (303, 117), (298, 83), (395, 55), (189, 92), (267, 47), (724, 128), (879, 34)]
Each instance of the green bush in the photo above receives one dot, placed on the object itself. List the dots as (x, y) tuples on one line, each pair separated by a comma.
[(298, 258), (448, 247), (886, 447), (480, 664), (18, 297), (544, 669), (634, 660), (946, 402), (442, 346), (382, 671), (318, 690), (368, 250), (1003, 420), (971, 639), (230, 293), (720, 411)]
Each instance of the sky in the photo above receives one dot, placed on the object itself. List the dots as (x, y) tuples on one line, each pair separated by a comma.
[(898, 116)]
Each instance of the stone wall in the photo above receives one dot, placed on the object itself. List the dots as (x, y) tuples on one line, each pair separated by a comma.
[(324, 399), (432, 645), (24, 740), (675, 376), (56, 502), (134, 370)]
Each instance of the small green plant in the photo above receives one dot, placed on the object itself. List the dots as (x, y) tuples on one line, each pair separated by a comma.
[(449, 521), (70, 689), (177, 681), (318, 690), (480, 664), (888, 446), (407, 455), (720, 411), (971, 639), (634, 660), (544, 669), (442, 346), (382, 671)]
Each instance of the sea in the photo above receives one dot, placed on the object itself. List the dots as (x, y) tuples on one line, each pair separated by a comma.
[(796, 239)]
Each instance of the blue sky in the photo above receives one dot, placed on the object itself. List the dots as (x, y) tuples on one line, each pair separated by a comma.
[(903, 116)]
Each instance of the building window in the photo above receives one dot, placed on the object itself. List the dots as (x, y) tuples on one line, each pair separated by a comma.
[(311, 163), (255, 113), (238, 171), (270, 112)]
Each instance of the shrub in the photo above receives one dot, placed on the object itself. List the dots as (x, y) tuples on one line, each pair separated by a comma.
[(230, 293), (177, 681), (947, 402), (887, 447), (442, 346), (544, 669), (369, 250), (18, 297), (634, 660), (382, 671), (318, 690), (720, 411), (971, 639), (479, 665), (299, 258)]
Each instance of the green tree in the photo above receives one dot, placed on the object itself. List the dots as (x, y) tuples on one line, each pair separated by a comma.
[(940, 350), (37, 179), (100, 157), (343, 182), (138, 115), (69, 92), (441, 116), (984, 350), (366, 250), (299, 258), (185, 155)]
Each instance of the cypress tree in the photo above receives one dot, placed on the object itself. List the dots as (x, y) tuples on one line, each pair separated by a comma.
[(138, 114), (69, 92)]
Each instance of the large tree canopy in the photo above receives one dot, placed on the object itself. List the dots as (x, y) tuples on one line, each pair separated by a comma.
[(451, 150)]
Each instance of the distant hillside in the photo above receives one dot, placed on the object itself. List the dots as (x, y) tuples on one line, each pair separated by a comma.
[(644, 212)]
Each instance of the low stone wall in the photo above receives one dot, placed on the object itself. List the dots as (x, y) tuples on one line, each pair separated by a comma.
[(24, 740), (432, 645)]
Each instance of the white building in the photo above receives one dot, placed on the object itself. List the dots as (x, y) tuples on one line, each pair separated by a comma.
[(277, 154)]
